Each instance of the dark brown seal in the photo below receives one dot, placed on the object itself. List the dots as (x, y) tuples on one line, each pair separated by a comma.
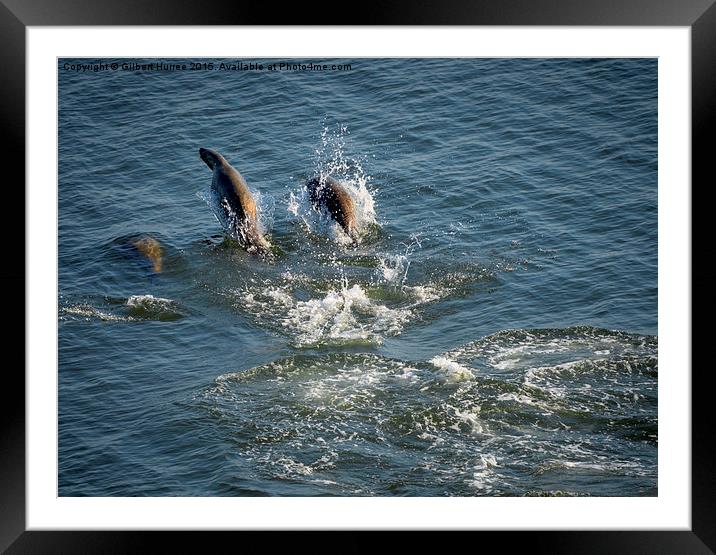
[(328, 193), (236, 202)]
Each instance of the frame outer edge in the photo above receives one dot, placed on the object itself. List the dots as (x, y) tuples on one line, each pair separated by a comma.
[(12, 54), (12, 278), (703, 120)]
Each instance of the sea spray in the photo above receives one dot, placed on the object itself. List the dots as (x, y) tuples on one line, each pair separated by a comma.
[(331, 159)]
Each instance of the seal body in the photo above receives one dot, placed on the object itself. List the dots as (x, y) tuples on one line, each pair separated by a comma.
[(236, 205), (152, 250), (328, 193)]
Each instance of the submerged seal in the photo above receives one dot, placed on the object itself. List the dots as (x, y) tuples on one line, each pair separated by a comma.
[(152, 250), (235, 200), (326, 192)]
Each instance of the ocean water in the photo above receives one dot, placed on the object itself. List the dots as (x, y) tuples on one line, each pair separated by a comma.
[(494, 332)]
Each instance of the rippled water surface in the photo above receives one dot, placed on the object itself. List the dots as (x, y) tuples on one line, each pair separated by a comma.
[(494, 332)]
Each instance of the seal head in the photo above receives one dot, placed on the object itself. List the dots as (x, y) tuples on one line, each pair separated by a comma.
[(152, 250), (211, 157)]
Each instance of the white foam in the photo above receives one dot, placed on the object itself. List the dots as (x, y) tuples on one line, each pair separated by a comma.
[(149, 301), (394, 268), (483, 475), (423, 293), (471, 418), (280, 296), (336, 316), (454, 372), (344, 314), (292, 467), (407, 373), (516, 398), (91, 313), (534, 376), (487, 461), (330, 316), (325, 482), (294, 204)]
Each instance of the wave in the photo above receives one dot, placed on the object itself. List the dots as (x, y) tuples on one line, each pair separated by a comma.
[(474, 425), (135, 308)]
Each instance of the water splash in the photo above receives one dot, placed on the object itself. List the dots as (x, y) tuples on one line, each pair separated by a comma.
[(331, 158), (393, 268), (265, 208), (342, 315)]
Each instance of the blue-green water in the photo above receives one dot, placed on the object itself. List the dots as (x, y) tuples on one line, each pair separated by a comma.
[(494, 332)]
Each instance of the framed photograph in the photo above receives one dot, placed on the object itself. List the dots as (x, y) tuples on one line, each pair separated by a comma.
[(434, 275)]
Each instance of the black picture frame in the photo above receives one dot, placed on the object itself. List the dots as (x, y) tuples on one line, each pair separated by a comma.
[(16, 15)]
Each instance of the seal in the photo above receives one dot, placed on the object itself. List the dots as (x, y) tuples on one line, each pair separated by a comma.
[(152, 250), (328, 193), (236, 205)]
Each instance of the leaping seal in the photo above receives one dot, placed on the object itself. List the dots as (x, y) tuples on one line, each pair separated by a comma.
[(235, 202), (328, 193)]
